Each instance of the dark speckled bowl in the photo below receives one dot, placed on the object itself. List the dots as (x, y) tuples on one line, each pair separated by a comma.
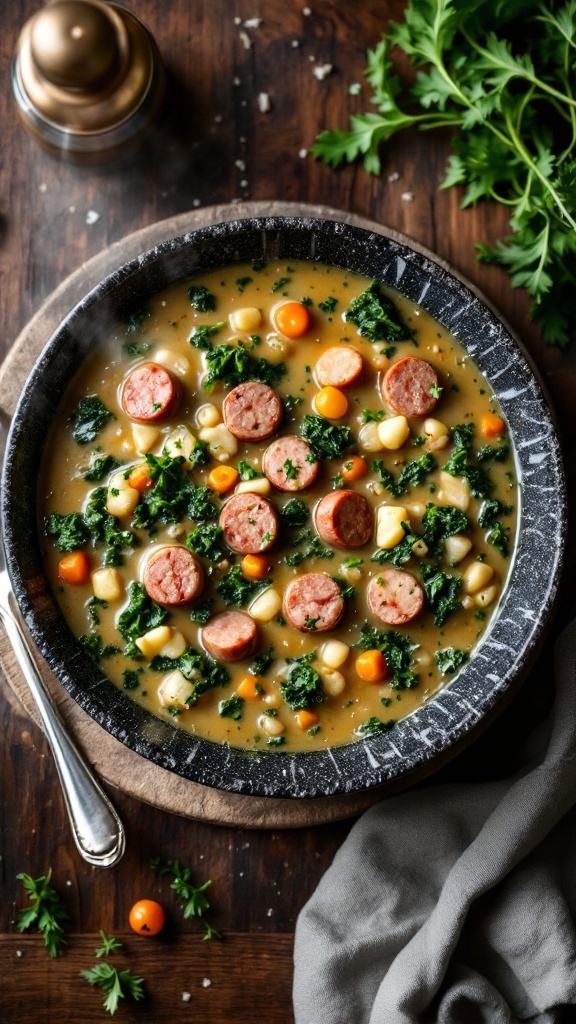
[(430, 735)]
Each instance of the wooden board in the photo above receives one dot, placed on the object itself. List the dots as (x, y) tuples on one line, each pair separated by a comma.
[(118, 765)]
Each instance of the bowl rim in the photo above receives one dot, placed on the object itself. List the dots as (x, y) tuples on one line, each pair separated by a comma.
[(431, 731)]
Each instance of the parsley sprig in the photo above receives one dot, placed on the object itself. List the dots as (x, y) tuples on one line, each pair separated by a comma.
[(194, 899), (47, 911), (501, 75), (116, 984)]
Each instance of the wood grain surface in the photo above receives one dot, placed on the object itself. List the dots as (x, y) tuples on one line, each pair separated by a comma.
[(214, 146)]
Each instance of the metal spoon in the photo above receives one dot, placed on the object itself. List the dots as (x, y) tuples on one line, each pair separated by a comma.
[(97, 829)]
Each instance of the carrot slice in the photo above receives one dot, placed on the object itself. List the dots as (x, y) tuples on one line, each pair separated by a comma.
[(223, 478), (74, 568), (249, 688), (492, 425), (306, 719)]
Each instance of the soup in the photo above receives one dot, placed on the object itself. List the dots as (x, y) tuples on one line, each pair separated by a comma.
[(279, 505)]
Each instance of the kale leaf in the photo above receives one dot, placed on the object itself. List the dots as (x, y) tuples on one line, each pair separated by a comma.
[(105, 528), (303, 686), (413, 473), (262, 663), (440, 522), (70, 530), (200, 337), (248, 472), (314, 548), (202, 612), (236, 590), (95, 646), (198, 668), (141, 614), (101, 466), (89, 418), (397, 649), (450, 660), (400, 553), (441, 591), (327, 440), (201, 299), (375, 726), (232, 365), (207, 540), (376, 317), (231, 707), (499, 535), (294, 514)]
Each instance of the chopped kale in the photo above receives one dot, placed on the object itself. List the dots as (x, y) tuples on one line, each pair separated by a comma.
[(135, 322), (461, 462), (306, 301), (259, 265), (94, 645), (92, 605), (491, 511), (493, 453), (280, 283), (376, 317), (174, 495), (207, 540), (329, 305), (232, 365), (275, 741), (236, 590), (70, 531), (347, 591), (450, 660), (294, 514), (201, 299), (375, 726), (200, 337), (89, 418), (200, 504), (440, 522), (314, 548), (202, 612), (105, 528), (303, 686), (463, 435), (290, 402), (130, 679), (337, 482), (101, 466), (372, 415), (441, 591), (499, 537), (200, 454), (198, 668), (247, 472), (262, 663), (141, 614), (413, 473), (231, 707), (397, 649), (353, 563), (400, 553), (326, 440), (136, 348)]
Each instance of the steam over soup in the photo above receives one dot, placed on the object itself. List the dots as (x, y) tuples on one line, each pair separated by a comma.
[(279, 506)]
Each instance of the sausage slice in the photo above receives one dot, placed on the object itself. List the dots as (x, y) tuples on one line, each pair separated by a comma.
[(287, 466), (395, 597), (250, 523), (252, 411), (340, 366), (150, 393), (230, 636), (408, 386), (345, 518), (313, 603), (173, 576)]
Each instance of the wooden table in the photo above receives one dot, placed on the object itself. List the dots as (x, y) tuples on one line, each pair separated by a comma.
[(215, 145)]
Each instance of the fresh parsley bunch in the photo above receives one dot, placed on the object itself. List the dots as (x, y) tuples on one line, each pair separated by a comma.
[(501, 74)]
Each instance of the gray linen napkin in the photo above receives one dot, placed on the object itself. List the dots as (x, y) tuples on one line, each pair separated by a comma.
[(454, 904)]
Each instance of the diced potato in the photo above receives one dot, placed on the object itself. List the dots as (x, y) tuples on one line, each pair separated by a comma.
[(486, 597), (420, 549), (454, 490), (389, 529), (208, 415), (246, 319), (476, 576), (416, 508), (145, 437), (259, 486), (107, 584), (393, 432), (435, 429), (272, 700), (266, 606), (180, 441), (153, 641), (174, 691), (119, 482), (368, 438), (334, 653), (333, 683), (222, 444), (122, 502), (279, 347), (175, 646), (456, 548), (467, 602), (270, 725), (375, 357), (351, 573), (173, 361)]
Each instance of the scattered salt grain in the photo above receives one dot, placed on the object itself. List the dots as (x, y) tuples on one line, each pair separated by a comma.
[(246, 41), (19, 952), (394, 176), (253, 23), (263, 102), (295, 44), (92, 217), (196, 202), (163, 303), (236, 82), (218, 119), (186, 997), (303, 154), (354, 88), (306, 11), (270, 912), (322, 71), (237, 21), (43, 187), (244, 183), (240, 164), (407, 197), (71, 209), (206, 982)]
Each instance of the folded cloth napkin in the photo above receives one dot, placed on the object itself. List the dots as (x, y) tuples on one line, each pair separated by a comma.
[(455, 904)]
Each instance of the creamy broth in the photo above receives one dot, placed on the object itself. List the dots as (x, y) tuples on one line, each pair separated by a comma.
[(349, 701)]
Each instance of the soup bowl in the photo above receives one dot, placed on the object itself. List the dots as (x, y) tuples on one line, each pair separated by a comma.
[(430, 735)]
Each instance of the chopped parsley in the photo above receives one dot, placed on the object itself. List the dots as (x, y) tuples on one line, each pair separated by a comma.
[(376, 317), (290, 469), (450, 660), (95, 646), (290, 402), (89, 418), (372, 415), (436, 390), (327, 440), (247, 472), (236, 590), (280, 283), (346, 589), (201, 299)]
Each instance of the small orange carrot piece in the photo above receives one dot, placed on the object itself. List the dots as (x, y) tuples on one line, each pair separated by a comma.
[(372, 666), (139, 478), (492, 425), (249, 688), (292, 319), (354, 469), (306, 719), (74, 568), (255, 567), (223, 478)]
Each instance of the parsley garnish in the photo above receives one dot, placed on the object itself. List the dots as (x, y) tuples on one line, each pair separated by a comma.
[(47, 911), (116, 984), (247, 472), (291, 470), (194, 899), (280, 283), (372, 415)]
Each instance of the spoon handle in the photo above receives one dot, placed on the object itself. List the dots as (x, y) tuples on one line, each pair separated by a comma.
[(96, 827)]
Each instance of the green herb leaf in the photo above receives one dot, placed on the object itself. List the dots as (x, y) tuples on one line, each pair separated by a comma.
[(141, 614), (294, 514), (89, 418), (70, 531), (375, 726), (200, 337), (116, 984), (231, 707), (47, 912), (450, 660), (303, 686), (236, 591), (207, 540), (233, 364), (101, 466), (376, 316), (201, 299), (397, 649), (441, 591), (326, 439)]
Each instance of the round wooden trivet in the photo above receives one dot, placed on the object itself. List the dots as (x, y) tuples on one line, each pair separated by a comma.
[(114, 762)]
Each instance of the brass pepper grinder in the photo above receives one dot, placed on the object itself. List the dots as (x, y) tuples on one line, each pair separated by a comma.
[(88, 79)]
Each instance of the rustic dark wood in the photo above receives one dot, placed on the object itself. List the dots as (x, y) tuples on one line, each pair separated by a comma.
[(211, 124)]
